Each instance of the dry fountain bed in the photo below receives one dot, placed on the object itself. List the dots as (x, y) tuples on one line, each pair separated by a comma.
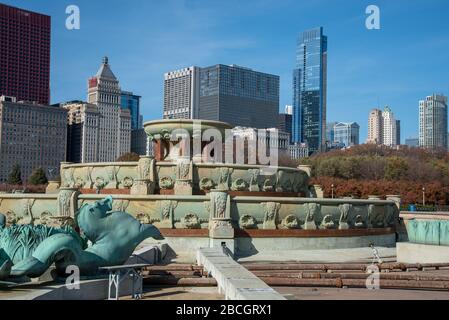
[(310, 280)]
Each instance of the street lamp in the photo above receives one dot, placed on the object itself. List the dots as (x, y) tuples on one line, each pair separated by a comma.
[(332, 188), (423, 196)]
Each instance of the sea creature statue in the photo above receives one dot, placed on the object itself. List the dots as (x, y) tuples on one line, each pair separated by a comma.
[(114, 237)]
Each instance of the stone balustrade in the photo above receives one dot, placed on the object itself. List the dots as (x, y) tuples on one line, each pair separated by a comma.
[(182, 177), (197, 212)]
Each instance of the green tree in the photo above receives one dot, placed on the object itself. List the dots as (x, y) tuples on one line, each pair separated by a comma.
[(396, 169), (130, 156), (15, 177), (38, 177)]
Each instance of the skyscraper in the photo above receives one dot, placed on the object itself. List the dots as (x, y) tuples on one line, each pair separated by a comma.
[(389, 128), (24, 54), (383, 127), (115, 123), (330, 132), (32, 136), (233, 94), (310, 89), (285, 124), (346, 133), (83, 131), (181, 94), (433, 122), (375, 127), (239, 96), (131, 102)]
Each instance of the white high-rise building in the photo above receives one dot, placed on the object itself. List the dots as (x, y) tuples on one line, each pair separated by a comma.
[(389, 128), (115, 123), (382, 128), (433, 122), (181, 94), (288, 109)]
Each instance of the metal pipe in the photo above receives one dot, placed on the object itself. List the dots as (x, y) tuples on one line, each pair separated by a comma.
[(175, 281), (355, 283)]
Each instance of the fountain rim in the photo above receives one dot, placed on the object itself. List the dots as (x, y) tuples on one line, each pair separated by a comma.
[(187, 122)]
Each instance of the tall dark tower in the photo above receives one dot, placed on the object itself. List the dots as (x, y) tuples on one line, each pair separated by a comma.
[(24, 54), (310, 90)]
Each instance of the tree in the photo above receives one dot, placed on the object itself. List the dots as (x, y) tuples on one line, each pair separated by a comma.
[(38, 177), (15, 177), (130, 156), (396, 169)]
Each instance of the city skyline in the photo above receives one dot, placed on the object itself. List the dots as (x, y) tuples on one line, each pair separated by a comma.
[(366, 68)]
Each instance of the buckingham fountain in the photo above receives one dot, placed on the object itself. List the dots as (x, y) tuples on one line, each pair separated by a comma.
[(196, 204)]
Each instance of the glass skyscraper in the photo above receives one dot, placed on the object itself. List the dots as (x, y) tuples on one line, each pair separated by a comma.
[(309, 90), (131, 102)]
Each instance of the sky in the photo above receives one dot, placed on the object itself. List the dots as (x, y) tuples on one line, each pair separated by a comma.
[(398, 65)]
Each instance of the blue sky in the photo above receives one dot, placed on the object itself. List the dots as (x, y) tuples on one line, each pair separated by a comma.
[(404, 61)]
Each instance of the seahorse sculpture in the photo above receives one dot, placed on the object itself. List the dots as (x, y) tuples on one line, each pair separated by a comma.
[(114, 237)]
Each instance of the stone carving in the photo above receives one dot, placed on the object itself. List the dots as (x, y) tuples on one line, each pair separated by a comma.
[(111, 172), (67, 202), (68, 177), (268, 186), (254, 180), (143, 217), (271, 214), (11, 218), (191, 221), (358, 222), (220, 226), (166, 183), (120, 205), (183, 169), (206, 184), (389, 216), (141, 187), (45, 219), (327, 222), (99, 183), (239, 185), (146, 168), (224, 179), (79, 183), (26, 215), (89, 182), (313, 211), (375, 218), (248, 222), (31, 250), (168, 213), (286, 183), (127, 182), (291, 222), (345, 211), (219, 205)]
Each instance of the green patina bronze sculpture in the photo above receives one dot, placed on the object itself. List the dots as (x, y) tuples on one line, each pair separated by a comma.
[(30, 250)]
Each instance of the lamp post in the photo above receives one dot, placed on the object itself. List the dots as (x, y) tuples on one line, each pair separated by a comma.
[(423, 196), (332, 188)]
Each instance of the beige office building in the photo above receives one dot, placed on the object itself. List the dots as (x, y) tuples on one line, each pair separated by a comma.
[(375, 127), (83, 131), (32, 136), (114, 137), (383, 128)]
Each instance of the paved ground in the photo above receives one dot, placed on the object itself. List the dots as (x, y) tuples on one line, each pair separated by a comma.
[(181, 293), (323, 256), (359, 294)]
